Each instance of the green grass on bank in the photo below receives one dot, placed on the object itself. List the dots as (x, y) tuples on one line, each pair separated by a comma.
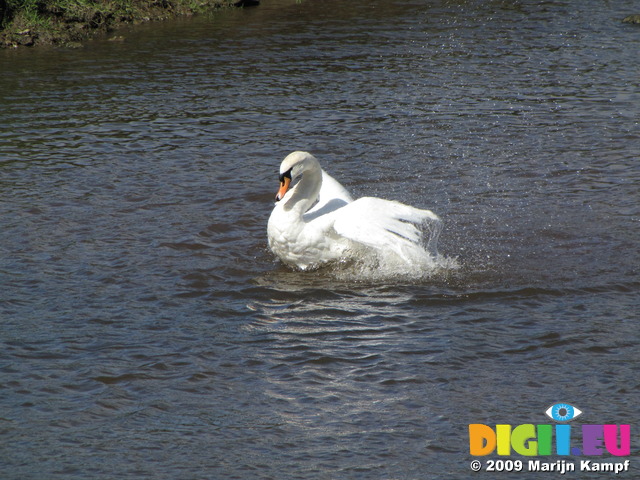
[(66, 22)]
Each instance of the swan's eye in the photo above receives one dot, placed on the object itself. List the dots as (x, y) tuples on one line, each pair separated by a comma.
[(284, 175), (563, 412)]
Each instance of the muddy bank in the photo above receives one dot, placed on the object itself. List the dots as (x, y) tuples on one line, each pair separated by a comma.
[(69, 23)]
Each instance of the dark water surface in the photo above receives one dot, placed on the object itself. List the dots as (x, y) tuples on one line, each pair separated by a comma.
[(146, 330)]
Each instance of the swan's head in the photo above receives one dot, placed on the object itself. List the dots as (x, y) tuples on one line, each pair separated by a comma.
[(292, 167)]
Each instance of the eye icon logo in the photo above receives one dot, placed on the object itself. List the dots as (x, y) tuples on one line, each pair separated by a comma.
[(563, 412)]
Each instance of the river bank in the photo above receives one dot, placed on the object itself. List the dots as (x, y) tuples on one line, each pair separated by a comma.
[(70, 22)]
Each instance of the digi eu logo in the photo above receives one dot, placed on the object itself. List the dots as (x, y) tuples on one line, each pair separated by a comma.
[(530, 440)]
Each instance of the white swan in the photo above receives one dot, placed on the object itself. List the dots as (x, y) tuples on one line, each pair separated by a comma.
[(317, 221)]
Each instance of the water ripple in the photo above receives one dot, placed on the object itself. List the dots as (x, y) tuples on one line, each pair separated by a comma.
[(148, 332)]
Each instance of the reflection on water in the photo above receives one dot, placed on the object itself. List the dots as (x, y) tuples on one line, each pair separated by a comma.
[(148, 332)]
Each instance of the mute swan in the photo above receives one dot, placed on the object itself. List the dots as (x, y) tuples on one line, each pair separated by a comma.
[(317, 221)]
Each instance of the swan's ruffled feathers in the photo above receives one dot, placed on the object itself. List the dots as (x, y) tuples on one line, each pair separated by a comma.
[(383, 224), (332, 196)]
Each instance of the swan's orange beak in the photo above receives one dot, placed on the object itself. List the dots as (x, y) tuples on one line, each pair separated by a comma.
[(284, 186)]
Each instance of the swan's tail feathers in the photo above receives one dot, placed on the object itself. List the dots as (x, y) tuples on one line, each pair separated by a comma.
[(390, 226)]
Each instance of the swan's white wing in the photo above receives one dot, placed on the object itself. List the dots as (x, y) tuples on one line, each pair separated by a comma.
[(331, 197), (383, 224), (332, 189)]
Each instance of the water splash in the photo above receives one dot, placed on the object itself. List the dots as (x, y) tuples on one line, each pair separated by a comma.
[(416, 262)]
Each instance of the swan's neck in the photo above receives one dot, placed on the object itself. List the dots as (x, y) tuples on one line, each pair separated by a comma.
[(306, 191)]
